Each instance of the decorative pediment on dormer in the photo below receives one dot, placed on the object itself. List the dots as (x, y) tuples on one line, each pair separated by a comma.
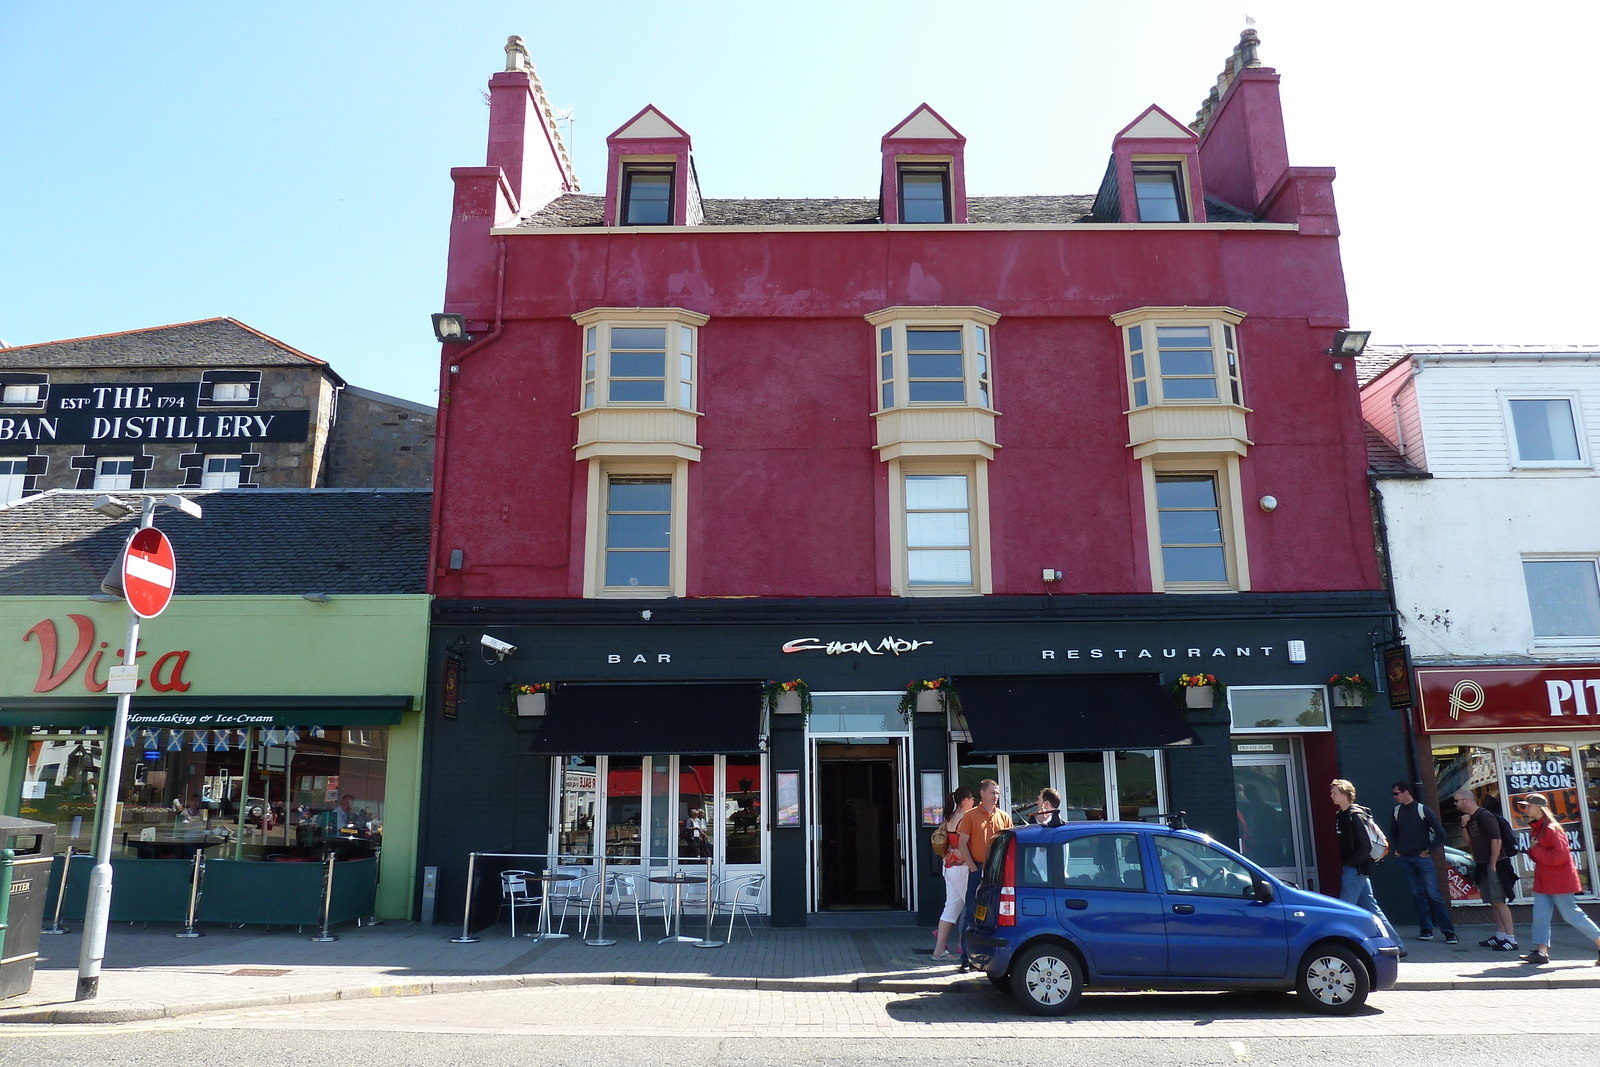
[(924, 170), (650, 179), (1154, 176)]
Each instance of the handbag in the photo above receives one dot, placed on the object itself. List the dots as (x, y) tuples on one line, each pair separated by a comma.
[(941, 841)]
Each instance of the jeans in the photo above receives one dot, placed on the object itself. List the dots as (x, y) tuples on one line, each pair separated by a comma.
[(1431, 907), (966, 912), (1356, 888), (1545, 903)]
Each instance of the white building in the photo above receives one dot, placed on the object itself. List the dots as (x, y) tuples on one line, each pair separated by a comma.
[(1483, 459)]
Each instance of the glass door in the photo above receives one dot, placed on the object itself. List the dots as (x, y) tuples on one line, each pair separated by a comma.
[(1267, 805), (62, 785)]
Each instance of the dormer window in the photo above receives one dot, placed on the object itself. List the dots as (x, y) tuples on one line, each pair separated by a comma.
[(1160, 191), (647, 195), (925, 193)]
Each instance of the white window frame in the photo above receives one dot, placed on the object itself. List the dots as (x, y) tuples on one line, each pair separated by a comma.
[(110, 482), (594, 340), (600, 474), (26, 400), (1224, 468), (976, 471), (977, 339), (1225, 359), (220, 479), (1574, 408), (1585, 641), (12, 485), (243, 386), (1246, 731)]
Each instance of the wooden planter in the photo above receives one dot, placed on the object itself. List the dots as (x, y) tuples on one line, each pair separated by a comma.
[(530, 704), (788, 703), (930, 701), (1200, 696), (1344, 697)]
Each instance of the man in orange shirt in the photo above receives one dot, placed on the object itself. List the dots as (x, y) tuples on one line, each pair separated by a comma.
[(977, 829)]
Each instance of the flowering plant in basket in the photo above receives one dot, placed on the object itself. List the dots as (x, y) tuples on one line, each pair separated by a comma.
[(535, 687), (908, 700), (776, 690), (1355, 688), (1192, 681)]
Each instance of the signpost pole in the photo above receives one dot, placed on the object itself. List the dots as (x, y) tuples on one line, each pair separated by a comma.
[(97, 912)]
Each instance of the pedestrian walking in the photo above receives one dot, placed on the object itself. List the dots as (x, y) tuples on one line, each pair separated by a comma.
[(1356, 853), (977, 828), (956, 875), (1416, 834), (1555, 880), (1483, 830)]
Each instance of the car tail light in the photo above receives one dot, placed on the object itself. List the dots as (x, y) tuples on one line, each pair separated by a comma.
[(1007, 915)]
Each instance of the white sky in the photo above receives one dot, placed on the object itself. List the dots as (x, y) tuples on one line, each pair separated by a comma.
[(288, 164)]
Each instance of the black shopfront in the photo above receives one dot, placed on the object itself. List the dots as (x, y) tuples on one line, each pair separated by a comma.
[(659, 742)]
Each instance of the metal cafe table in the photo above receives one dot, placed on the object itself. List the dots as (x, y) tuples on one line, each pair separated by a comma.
[(549, 878), (678, 881)]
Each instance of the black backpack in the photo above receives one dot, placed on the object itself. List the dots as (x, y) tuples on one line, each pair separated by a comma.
[(1508, 836)]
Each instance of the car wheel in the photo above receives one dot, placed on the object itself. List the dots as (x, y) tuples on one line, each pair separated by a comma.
[(1333, 980), (1047, 979), (1001, 982)]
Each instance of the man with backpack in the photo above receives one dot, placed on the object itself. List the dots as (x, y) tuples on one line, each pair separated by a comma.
[(1361, 844), (1483, 830), (1416, 833)]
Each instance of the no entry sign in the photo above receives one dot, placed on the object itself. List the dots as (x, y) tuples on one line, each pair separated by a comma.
[(148, 572)]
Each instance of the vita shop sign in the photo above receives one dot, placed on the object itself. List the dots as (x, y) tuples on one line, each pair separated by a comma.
[(165, 673)]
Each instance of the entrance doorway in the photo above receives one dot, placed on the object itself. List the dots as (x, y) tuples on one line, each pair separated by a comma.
[(1269, 800), (858, 800)]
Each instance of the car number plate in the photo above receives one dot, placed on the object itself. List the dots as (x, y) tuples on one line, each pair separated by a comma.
[(981, 912)]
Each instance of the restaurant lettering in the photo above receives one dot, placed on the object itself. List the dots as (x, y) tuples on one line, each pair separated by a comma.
[(888, 646), (157, 412), (1145, 653), (165, 674), (1484, 699)]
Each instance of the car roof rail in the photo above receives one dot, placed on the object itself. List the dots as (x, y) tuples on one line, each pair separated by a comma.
[(1174, 820)]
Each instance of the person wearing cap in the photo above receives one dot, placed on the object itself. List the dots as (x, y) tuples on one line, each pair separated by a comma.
[(1555, 879)]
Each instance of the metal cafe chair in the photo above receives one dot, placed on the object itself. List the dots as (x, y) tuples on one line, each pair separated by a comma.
[(515, 892), (740, 896), (634, 892), (694, 895), (567, 894)]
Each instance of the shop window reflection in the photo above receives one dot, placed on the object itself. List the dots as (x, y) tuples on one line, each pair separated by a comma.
[(624, 807), (1028, 775), (61, 784), (743, 809), (580, 778), (1137, 796), (660, 810), (697, 822), (1083, 792), (1547, 769)]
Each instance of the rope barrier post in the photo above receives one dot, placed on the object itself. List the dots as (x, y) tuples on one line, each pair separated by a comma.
[(601, 940), (466, 937), (708, 941), (194, 894), (55, 926), (327, 900)]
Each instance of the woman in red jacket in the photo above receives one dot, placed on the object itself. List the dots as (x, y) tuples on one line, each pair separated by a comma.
[(1555, 880)]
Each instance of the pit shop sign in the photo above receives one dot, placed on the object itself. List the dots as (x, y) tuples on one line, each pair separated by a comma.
[(1467, 700)]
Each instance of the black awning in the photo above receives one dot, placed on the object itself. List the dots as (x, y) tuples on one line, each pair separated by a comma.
[(645, 720), (1069, 713)]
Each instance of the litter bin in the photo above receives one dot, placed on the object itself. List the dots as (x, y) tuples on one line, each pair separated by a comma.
[(34, 844)]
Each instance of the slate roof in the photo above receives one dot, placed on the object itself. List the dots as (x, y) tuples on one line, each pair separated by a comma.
[(220, 342), (250, 541), (584, 210), (1385, 461)]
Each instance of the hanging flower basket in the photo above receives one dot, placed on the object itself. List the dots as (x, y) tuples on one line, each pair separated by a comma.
[(1197, 690), (1351, 691), (789, 698), (929, 696), (532, 699)]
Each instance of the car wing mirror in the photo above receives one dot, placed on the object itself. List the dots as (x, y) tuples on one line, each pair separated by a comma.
[(1264, 891)]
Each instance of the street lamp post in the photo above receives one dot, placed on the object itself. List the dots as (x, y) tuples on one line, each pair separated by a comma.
[(97, 911)]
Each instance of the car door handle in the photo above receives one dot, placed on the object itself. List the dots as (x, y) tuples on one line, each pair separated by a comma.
[(1183, 909), (1076, 904)]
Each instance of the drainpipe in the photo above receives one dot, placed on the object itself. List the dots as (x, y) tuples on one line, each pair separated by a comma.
[(442, 425)]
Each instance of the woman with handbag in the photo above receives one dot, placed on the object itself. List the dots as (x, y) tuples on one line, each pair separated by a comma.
[(955, 873), (1555, 879)]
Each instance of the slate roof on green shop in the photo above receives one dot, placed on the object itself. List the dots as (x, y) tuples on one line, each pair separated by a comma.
[(250, 541)]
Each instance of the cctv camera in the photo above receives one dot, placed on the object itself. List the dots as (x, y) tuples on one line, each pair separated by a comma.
[(500, 648)]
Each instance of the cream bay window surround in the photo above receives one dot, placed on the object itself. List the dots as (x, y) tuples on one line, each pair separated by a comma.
[(637, 514), (639, 381), (935, 381), (1194, 519), (1185, 389), (939, 527)]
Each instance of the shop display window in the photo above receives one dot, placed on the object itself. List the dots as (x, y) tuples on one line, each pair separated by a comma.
[(1094, 786), (306, 788)]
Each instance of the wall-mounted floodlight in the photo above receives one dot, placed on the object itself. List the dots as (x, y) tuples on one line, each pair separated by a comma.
[(450, 328), (317, 598), (1349, 343)]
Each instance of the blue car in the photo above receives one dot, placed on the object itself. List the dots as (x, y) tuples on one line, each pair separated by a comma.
[(1138, 906)]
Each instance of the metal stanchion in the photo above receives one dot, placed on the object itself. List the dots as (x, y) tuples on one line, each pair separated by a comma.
[(707, 942), (466, 937), (602, 940), (55, 926), (327, 900), (194, 894)]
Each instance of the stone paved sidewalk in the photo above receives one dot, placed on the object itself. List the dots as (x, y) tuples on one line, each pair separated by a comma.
[(152, 975)]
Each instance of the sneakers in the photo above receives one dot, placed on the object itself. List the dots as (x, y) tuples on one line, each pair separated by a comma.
[(1451, 939), (1504, 946), (1536, 958), (1498, 941), (1426, 935)]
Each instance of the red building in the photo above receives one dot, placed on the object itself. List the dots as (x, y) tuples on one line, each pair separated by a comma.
[(1061, 449)]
